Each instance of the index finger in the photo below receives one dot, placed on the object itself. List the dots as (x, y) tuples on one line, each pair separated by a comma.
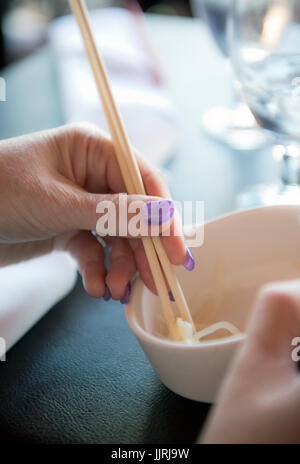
[(274, 324), (275, 320)]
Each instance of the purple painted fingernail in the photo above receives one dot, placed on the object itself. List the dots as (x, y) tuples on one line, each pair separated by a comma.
[(158, 212), (107, 294), (126, 298), (190, 262), (171, 296)]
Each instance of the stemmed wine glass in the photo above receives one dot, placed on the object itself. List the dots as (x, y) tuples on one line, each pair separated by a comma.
[(233, 125), (265, 52)]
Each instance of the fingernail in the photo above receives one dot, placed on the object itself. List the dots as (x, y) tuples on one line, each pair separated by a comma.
[(171, 296), (190, 262), (126, 298), (107, 294), (158, 212)]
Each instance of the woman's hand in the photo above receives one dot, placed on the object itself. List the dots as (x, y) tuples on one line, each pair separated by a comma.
[(50, 185), (259, 401)]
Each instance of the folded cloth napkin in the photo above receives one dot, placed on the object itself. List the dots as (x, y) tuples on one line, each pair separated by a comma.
[(149, 115), (29, 289)]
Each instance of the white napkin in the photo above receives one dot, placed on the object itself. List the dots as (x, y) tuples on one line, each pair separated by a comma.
[(29, 289), (149, 115)]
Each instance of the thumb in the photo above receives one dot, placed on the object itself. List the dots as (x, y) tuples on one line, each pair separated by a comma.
[(276, 315), (274, 329), (120, 214)]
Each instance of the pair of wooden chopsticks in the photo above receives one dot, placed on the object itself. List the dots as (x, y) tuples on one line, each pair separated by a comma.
[(160, 265)]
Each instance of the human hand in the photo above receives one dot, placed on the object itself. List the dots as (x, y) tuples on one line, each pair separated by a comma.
[(50, 185), (259, 401)]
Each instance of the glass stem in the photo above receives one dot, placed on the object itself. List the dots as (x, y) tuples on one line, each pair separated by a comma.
[(289, 157)]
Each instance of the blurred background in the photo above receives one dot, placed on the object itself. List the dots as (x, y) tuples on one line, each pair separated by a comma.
[(172, 77), (23, 23)]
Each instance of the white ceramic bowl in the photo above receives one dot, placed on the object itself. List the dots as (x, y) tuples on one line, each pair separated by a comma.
[(254, 247)]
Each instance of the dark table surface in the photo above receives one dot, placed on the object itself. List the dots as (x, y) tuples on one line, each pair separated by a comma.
[(79, 375)]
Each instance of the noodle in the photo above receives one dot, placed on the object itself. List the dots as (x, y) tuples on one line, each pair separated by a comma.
[(185, 330), (217, 326)]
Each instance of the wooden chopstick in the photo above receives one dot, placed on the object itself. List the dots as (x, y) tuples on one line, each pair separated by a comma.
[(132, 176)]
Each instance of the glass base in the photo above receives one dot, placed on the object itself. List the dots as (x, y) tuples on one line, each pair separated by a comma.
[(235, 127), (268, 195)]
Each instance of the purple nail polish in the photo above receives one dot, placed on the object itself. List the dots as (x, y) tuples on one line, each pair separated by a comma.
[(107, 294), (190, 262), (126, 298), (158, 212), (171, 296)]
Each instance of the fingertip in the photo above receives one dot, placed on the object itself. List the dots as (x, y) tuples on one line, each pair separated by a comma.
[(175, 249), (143, 265), (107, 294), (189, 263), (93, 281), (127, 295), (158, 212), (171, 296), (116, 282), (122, 269), (275, 317)]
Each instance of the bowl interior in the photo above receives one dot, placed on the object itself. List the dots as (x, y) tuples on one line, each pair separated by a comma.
[(241, 252)]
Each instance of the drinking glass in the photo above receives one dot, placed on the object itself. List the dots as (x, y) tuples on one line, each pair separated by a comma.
[(233, 125), (265, 52)]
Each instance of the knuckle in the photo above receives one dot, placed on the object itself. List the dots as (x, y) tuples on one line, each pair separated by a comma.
[(161, 176), (153, 177), (274, 298), (81, 128), (84, 132)]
